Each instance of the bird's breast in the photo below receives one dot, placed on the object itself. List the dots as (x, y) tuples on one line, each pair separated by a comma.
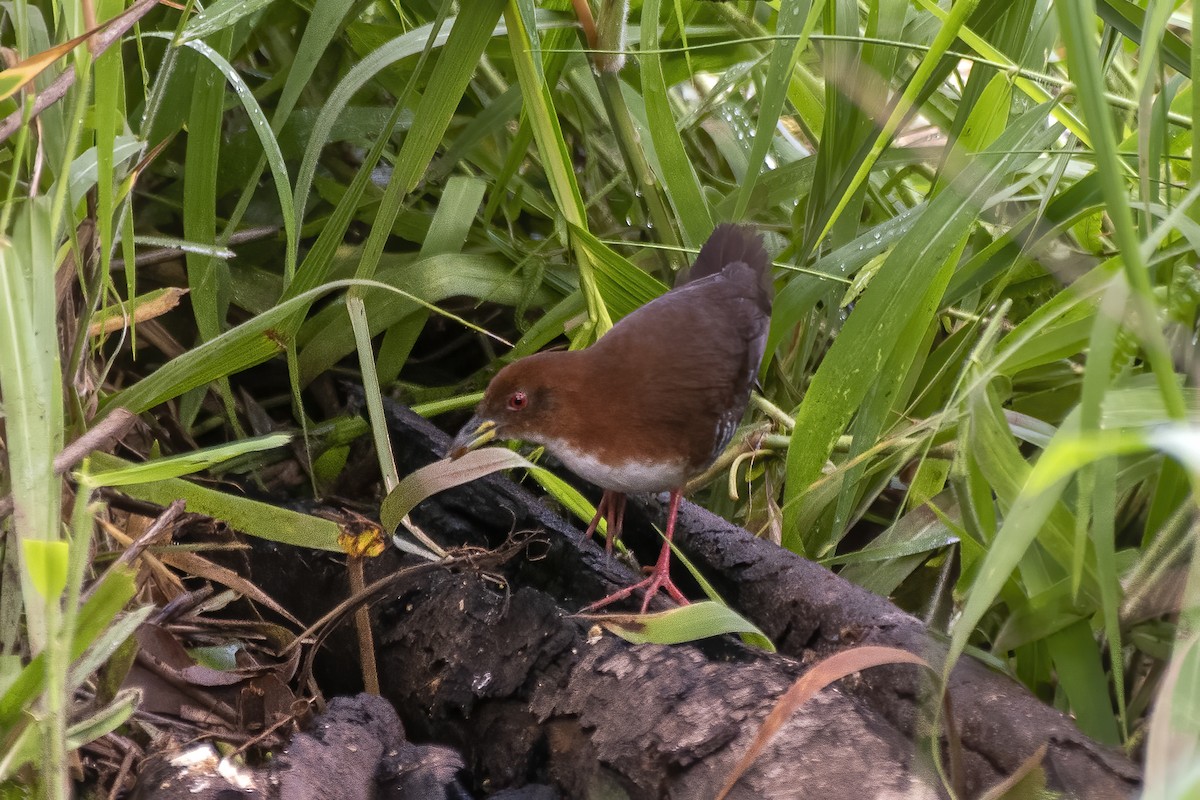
[(629, 476)]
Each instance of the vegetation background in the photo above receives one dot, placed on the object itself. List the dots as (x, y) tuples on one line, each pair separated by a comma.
[(979, 392)]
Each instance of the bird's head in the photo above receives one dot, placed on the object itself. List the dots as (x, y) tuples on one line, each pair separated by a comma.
[(520, 403)]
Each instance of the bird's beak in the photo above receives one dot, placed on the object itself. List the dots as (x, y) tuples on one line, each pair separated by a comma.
[(475, 433)]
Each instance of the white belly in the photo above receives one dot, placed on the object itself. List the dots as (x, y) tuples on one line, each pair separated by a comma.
[(629, 477)]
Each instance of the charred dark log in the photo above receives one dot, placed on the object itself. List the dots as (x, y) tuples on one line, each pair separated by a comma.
[(355, 751), (522, 690), (495, 665), (808, 611)]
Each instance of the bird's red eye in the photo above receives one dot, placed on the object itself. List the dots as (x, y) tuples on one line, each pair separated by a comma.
[(517, 401)]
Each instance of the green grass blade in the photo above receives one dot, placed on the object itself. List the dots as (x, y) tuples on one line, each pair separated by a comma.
[(678, 175), (219, 16), (248, 516), (269, 143), (29, 374), (1083, 58), (555, 158), (795, 21), (187, 463), (929, 62)]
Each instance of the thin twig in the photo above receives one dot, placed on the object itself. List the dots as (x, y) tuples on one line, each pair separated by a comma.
[(122, 773), (56, 90), (156, 529), (107, 431), (362, 624)]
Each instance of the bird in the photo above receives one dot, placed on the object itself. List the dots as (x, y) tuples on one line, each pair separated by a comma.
[(654, 401)]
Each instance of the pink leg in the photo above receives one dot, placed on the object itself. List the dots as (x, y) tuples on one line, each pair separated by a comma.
[(616, 518), (611, 508), (601, 511), (660, 577)]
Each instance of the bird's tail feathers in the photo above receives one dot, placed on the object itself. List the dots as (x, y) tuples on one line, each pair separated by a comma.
[(729, 244)]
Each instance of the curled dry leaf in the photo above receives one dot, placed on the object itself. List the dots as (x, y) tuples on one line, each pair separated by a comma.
[(442, 475), (141, 309), (826, 672)]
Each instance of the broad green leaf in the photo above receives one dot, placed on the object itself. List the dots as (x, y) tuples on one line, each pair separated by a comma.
[(678, 625), (99, 609), (251, 517), (46, 565)]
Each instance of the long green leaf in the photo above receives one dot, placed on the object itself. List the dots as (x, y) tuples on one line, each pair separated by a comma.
[(794, 24), (678, 175), (251, 517), (547, 132), (32, 386)]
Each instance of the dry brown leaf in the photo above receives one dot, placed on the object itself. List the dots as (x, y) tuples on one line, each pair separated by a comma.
[(166, 580), (203, 568), (145, 308), (826, 672)]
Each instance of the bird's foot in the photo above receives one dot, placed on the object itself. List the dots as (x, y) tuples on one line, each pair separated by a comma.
[(659, 578)]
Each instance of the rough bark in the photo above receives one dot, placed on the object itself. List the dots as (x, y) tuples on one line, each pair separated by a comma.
[(519, 687), (808, 611), (355, 751)]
